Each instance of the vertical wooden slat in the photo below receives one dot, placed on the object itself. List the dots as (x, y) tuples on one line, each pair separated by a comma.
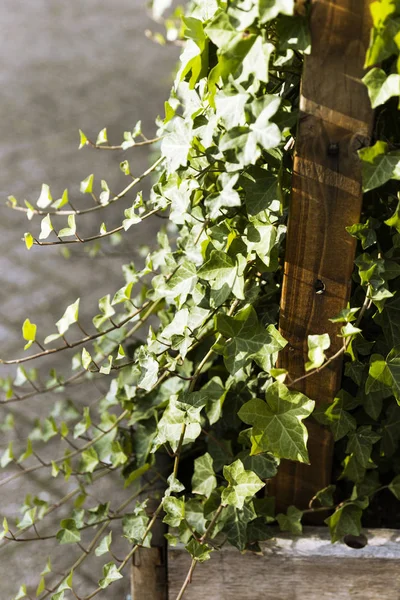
[(149, 565), (335, 120)]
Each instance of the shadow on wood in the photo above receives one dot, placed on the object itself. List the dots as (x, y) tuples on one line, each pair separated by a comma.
[(295, 568), (335, 121)]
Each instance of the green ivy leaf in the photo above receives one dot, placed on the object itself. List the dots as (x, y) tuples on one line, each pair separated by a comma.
[(22, 593), (102, 137), (46, 227), (277, 422), (29, 241), (394, 487), (223, 274), (261, 188), (235, 524), (393, 365), (325, 496), (361, 442), (270, 9), (198, 551), (381, 87), (110, 574), (291, 521), (45, 198), (242, 484), (104, 545), (379, 165), (82, 139), (70, 230), (175, 146), (263, 465), (390, 320), (394, 220), (341, 422), (7, 456), (170, 426), (134, 527), (175, 511), (28, 333), (316, 346), (86, 186), (204, 480), (69, 533), (248, 340), (89, 461), (346, 520)]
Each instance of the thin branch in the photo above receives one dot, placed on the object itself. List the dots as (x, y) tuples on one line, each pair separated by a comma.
[(194, 562), (134, 549), (93, 208), (98, 236), (88, 338), (70, 456), (146, 142), (366, 305)]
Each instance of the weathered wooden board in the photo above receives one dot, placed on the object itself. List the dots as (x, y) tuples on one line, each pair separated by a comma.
[(304, 568), (335, 121)]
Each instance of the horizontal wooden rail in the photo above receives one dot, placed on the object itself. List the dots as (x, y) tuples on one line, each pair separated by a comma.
[(307, 567)]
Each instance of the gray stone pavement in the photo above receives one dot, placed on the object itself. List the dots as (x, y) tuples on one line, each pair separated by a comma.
[(63, 66)]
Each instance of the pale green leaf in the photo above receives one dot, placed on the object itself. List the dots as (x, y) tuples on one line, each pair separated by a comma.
[(110, 574), (203, 480), (45, 198), (104, 545), (174, 511), (86, 186), (316, 346), (242, 484), (102, 137), (28, 333), (82, 139), (381, 87), (46, 227), (28, 238), (68, 534), (70, 230)]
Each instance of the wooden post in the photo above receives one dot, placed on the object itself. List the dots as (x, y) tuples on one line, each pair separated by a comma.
[(149, 566), (335, 121)]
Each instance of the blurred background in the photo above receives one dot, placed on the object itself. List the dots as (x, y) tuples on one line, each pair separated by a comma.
[(66, 65)]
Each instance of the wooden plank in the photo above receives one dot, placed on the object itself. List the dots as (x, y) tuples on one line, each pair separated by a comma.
[(295, 568), (335, 121), (149, 581)]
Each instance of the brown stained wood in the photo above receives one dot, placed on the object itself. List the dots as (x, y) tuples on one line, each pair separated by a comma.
[(149, 565), (335, 121), (149, 581), (295, 568)]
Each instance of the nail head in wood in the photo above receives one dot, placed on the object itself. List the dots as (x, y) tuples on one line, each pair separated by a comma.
[(319, 286), (333, 149)]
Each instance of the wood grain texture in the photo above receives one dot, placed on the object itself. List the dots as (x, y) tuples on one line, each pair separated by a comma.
[(149, 565), (149, 581), (304, 568), (335, 121)]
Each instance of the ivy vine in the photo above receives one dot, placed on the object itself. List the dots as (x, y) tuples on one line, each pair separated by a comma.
[(189, 343)]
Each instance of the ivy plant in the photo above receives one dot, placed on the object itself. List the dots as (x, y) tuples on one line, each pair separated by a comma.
[(188, 344)]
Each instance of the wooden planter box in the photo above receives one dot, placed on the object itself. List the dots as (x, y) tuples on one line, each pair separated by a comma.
[(307, 567)]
